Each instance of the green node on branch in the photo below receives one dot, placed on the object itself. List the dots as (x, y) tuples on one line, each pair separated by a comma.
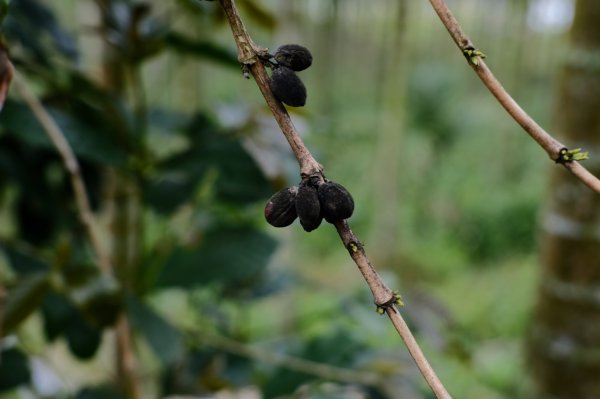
[(395, 300), (471, 54), (565, 155)]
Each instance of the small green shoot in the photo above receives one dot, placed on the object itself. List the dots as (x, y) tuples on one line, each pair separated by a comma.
[(565, 155), (472, 54)]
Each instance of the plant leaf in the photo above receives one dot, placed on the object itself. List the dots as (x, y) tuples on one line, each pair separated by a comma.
[(24, 299), (23, 263), (82, 337), (57, 312), (87, 141), (202, 49), (227, 255), (163, 338), (14, 369)]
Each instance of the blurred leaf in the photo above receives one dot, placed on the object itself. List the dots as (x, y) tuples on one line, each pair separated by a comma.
[(83, 339), (24, 299), (162, 337), (44, 196), (171, 190), (57, 312), (239, 179), (3, 10), (99, 298), (14, 369), (134, 34), (23, 263), (30, 22), (86, 140), (36, 222), (339, 349), (20, 122), (271, 283), (62, 317), (167, 120), (96, 106), (227, 254), (98, 393), (202, 49), (207, 369)]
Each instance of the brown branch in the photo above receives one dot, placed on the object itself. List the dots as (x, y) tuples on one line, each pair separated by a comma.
[(126, 361), (59, 141), (543, 138), (249, 55)]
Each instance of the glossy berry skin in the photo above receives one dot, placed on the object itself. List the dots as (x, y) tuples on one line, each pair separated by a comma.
[(308, 207), (280, 210), (293, 56), (336, 202), (287, 87)]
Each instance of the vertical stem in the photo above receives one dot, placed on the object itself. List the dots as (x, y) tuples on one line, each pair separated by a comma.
[(124, 227), (127, 363)]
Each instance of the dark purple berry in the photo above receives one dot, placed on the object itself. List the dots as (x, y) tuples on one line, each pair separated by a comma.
[(336, 202), (280, 210), (308, 207), (287, 87), (293, 56)]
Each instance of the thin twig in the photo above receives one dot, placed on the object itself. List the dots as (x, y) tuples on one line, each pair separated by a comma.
[(310, 367), (249, 57), (71, 164), (543, 138), (126, 360), (113, 68)]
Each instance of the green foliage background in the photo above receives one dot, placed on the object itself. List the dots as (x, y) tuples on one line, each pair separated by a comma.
[(447, 190)]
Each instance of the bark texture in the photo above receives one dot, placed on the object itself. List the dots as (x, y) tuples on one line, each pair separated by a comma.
[(564, 340)]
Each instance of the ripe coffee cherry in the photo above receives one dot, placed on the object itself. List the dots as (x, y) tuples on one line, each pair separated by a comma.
[(308, 207), (293, 56), (280, 210), (336, 202), (288, 87)]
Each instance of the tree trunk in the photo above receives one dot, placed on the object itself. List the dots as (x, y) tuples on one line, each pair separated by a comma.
[(564, 340)]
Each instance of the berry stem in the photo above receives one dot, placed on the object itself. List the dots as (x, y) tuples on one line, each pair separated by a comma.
[(250, 55)]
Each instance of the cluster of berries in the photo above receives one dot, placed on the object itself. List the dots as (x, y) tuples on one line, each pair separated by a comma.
[(314, 199), (311, 202), (285, 84)]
